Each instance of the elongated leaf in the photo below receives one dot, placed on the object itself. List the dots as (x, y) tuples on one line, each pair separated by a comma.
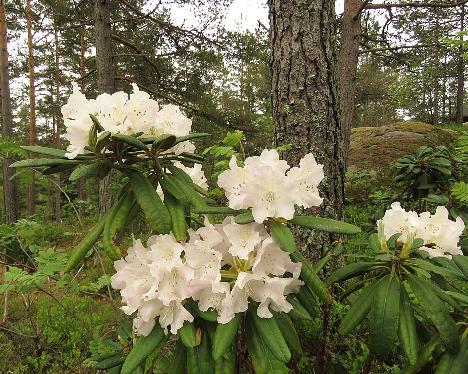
[(282, 236), (224, 336), (308, 301), (195, 135), (143, 347), (424, 356), (309, 276), (436, 311), (215, 210), (407, 329), (244, 218), (359, 310), (298, 311), (163, 142), (177, 213), (170, 184), (384, 315), (187, 335), (429, 266), (44, 150), (350, 271), (289, 332), (130, 140), (179, 359), (80, 251), (110, 362), (457, 363), (462, 263), (271, 334), (36, 162), (262, 359), (155, 211), (205, 356), (84, 171), (57, 169), (325, 224)]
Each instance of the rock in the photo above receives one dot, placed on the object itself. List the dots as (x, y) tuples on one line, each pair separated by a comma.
[(376, 147)]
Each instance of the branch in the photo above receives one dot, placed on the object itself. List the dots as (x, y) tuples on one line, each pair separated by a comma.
[(363, 6), (170, 26), (400, 47), (415, 5)]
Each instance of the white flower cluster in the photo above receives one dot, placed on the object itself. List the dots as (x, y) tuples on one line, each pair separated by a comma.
[(440, 234), (270, 187), (121, 114), (222, 267)]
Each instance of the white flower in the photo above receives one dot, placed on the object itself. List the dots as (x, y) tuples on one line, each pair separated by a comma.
[(271, 260), (397, 220), (306, 178), (243, 238), (111, 113), (173, 285), (210, 295), (205, 261), (140, 112), (265, 185), (165, 252), (170, 120)]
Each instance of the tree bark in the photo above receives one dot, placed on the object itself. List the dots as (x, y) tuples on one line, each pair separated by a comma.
[(347, 65), (10, 188), (461, 71), (305, 101), (31, 201), (58, 114), (105, 79), (436, 85), (81, 186)]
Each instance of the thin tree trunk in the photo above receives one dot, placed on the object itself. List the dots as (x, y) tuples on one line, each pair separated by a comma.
[(436, 88), (105, 79), (10, 188), (31, 201), (58, 193), (461, 71), (347, 65), (305, 101), (81, 182)]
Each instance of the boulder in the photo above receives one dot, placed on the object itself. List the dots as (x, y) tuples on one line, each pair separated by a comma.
[(377, 147)]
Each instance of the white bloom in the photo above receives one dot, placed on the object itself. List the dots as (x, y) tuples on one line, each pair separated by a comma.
[(210, 295), (243, 238), (140, 112), (170, 120), (271, 260), (205, 261), (265, 185), (306, 178), (397, 220), (165, 252), (111, 113)]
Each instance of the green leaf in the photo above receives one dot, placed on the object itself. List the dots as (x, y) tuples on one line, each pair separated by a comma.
[(308, 301), (282, 236), (289, 332), (224, 336), (262, 359), (155, 211), (271, 335), (80, 251), (429, 266), (359, 309), (384, 315), (179, 359), (44, 150), (325, 224), (143, 347), (424, 356), (299, 311), (187, 335), (462, 263), (163, 143), (110, 362), (407, 329), (177, 212), (309, 276), (215, 210), (244, 218), (130, 140), (36, 162), (350, 271), (195, 135), (435, 310), (84, 171), (456, 363)]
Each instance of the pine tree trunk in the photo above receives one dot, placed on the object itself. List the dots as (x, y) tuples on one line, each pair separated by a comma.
[(58, 192), (436, 87), (461, 71), (105, 79), (347, 65), (82, 182), (31, 200), (10, 189), (305, 101)]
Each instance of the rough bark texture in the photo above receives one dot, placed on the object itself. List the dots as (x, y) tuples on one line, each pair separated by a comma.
[(10, 190), (58, 114), (105, 79), (31, 201), (347, 65), (81, 185), (305, 99), (461, 72)]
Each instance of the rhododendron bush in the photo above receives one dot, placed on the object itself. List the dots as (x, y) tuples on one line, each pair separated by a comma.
[(223, 281)]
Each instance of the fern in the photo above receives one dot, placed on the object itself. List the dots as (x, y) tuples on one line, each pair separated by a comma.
[(460, 192)]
